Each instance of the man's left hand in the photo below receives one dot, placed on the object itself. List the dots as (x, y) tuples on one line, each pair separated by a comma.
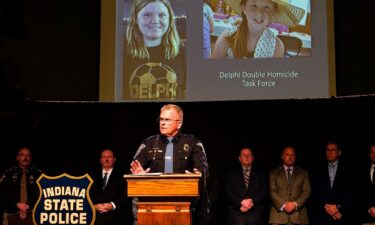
[(195, 171)]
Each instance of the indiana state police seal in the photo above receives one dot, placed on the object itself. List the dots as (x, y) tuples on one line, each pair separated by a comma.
[(64, 200)]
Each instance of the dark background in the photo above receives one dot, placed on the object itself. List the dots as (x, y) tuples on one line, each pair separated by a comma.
[(49, 50)]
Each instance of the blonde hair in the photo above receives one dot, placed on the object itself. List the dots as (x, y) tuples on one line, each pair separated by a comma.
[(135, 44), (238, 40)]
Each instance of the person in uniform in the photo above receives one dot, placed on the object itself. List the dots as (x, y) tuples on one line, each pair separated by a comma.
[(173, 152), (187, 153), (19, 189)]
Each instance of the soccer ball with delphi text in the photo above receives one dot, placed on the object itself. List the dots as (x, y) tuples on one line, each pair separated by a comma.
[(153, 80)]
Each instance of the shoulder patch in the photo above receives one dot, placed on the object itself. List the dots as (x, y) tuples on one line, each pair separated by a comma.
[(140, 148), (201, 145)]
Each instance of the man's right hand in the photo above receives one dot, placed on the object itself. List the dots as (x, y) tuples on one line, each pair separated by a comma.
[(136, 168), (372, 211), (23, 207)]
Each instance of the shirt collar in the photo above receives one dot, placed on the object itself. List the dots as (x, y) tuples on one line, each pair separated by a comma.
[(334, 163), (245, 167), (286, 167), (107, 171), (175, 138)]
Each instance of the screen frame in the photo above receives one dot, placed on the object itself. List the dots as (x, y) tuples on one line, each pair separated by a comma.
[(111, 56)]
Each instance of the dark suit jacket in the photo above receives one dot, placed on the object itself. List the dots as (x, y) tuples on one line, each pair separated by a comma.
[(236, 192), (367, 196), (299, 192), (115, 192), (339, 194)]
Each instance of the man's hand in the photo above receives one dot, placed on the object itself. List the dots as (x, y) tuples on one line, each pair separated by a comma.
[(23, 215), (195, 171), (337, 216), (372, 211), (23, 208), (103, 207), (243, 209), (247, 203), (136, 168), (290, 207), (331, 209)]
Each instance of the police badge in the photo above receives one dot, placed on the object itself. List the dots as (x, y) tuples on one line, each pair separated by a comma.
[(186, 147)]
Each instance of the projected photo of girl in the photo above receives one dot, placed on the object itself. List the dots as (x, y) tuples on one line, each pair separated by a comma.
[(154, 56), (262, 29)]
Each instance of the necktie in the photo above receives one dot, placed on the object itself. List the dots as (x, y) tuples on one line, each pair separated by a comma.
[(168, 162), (23, 196), (246, 175), (105, 180), (289, 175), (373, 175), (331, 170)]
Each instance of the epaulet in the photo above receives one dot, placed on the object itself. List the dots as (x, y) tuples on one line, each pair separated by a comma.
[(11, 169), (35, 169), (151, 137), (190, 135), (4, 175), (2, 178)]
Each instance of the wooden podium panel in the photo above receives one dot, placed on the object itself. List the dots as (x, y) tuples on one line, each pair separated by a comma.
[(163, 199), (165, 213)]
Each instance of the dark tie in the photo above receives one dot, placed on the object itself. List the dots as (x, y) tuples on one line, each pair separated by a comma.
[(289, 175), (246, 175), (373, 175), (105, 180), (168, 162), (23, 196)]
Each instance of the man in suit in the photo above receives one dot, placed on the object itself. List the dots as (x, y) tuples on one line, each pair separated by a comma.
[(108, 191), (368, 191), (289, 190), (246, 191), (332, 190)]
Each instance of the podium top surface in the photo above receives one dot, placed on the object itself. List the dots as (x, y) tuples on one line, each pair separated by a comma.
[(163, 185), (162, 175)]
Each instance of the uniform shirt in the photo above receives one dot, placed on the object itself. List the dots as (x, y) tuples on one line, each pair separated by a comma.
[(10, 187), (188, 153)]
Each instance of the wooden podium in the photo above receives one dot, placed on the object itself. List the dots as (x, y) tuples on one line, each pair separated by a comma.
[(163, 198)]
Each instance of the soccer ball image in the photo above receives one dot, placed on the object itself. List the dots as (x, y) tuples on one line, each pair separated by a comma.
[(153, 81)]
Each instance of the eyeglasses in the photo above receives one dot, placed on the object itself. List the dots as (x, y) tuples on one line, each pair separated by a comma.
[(165, 120)]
